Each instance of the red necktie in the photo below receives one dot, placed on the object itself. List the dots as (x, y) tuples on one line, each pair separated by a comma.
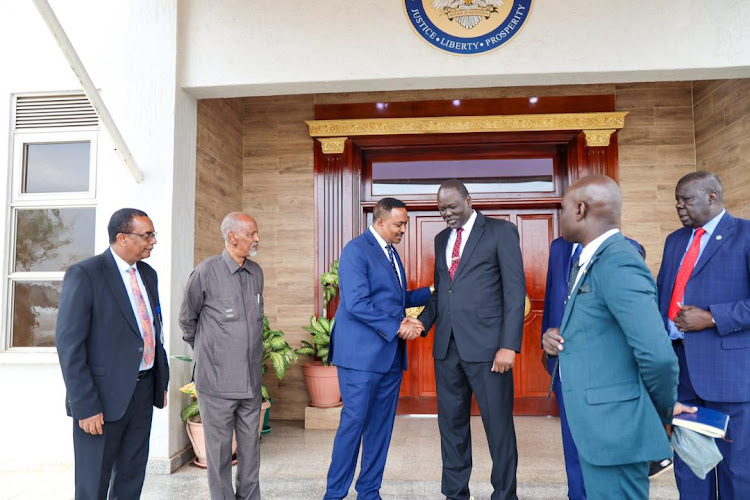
[(683, 275), (456, 254)]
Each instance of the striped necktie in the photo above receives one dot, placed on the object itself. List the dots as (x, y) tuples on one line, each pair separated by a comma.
[(392, 258), (575, 266)]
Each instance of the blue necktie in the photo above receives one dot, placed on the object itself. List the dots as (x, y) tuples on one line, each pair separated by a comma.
[(392, 258)]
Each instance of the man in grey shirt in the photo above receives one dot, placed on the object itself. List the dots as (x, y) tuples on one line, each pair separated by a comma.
[(222, 320)]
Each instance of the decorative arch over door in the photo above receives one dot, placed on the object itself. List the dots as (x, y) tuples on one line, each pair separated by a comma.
[(579, 133)]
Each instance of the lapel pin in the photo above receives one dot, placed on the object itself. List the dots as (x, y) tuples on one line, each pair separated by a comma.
[(718, 236)]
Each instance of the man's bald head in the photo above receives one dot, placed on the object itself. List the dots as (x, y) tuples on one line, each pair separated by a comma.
[(591, 207)]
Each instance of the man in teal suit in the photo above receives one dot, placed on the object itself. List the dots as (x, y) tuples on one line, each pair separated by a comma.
[(619, 373)]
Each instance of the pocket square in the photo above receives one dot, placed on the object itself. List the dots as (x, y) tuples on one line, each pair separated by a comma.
[(584, 288)]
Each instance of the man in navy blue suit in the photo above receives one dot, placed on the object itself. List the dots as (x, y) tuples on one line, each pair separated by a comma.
[(704, 299), (368, 347), (111, 349), (562, 256)]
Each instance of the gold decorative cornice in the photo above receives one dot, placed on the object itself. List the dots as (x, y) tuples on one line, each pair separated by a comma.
[(332, 145), (591, 122), (598, 138)]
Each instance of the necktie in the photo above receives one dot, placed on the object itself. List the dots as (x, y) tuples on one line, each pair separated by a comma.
[(575, 266), (392, 258), (456, 254), (683, 275), (145, 321)]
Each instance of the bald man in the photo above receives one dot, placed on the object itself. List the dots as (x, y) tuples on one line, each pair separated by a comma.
[(222, 320), (618, 370)]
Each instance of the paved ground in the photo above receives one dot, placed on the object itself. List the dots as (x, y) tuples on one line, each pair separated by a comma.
[(294, 464)]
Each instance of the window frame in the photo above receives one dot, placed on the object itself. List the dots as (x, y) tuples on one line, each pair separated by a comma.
[(18, 200)]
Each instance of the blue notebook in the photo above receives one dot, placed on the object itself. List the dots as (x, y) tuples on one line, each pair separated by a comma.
[(705, 421)]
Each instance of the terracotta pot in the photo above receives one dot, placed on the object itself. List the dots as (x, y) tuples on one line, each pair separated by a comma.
[(322, 383), (194, 427)]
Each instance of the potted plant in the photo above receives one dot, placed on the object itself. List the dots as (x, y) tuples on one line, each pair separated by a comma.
[(321, 378), (276, 350), (279, 353)]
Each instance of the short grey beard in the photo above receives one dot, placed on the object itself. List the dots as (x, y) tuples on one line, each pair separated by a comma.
[(253, 253)]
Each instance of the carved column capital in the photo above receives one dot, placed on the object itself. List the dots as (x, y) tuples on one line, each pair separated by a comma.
[(598, 138), (332, 145)]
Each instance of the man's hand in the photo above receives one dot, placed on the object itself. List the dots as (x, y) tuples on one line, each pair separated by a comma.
[(679, 408), (165, 400), (552, 342), (411, 328), (691, 318), (93, 425), (504, 360)]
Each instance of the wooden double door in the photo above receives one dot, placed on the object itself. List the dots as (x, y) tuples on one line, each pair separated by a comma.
[(536, 229)]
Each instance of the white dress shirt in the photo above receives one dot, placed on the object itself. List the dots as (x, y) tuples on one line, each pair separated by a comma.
[(124, 269), (464, 238), (384, 245)]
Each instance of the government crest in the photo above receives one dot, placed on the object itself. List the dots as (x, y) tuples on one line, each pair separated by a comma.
[(467, 26)]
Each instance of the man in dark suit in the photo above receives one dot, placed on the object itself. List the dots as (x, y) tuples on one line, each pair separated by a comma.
[(368, 347), (618, 372), (704, 298), (477, 309), (562, 256), (110, 345)]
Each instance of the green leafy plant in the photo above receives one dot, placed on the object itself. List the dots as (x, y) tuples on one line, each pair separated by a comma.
[(190, 410), (320, 327), (330, 282), (275, 349)]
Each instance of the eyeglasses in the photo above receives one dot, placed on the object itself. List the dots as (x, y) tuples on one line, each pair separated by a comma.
[(145, 236)]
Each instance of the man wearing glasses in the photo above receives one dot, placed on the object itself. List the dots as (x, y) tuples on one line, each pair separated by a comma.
[(110, 345)]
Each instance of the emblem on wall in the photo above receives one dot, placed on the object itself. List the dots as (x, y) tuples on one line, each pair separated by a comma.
[(467, 26)]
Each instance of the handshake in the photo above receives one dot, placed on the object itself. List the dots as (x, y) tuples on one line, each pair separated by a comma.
[(410, 329)]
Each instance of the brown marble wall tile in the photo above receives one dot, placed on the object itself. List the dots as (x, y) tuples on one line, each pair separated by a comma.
[(218, 188), (722, 137)]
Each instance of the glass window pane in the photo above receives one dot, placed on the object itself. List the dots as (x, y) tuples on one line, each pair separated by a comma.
[(480, 176), (53, 239), (56, 167), (35, 305)]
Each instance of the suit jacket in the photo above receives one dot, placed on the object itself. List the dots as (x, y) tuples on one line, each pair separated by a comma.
[(98, 341), (371, 307), (718, 358), (618, 370), (558, 273), (484, 304)]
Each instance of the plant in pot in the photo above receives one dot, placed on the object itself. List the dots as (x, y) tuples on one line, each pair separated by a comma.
[(276, 350), (279, 353), (321, 378)]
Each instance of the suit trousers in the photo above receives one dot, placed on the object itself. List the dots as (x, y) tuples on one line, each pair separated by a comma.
[(576, 489), (731, 477), (116, 460), (456, 380), (221, 419), (370, 400), (616, 482)]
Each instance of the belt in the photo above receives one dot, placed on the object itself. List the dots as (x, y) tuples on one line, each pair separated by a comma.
[(145, 373), (676, 342)]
